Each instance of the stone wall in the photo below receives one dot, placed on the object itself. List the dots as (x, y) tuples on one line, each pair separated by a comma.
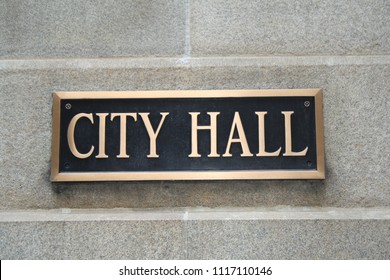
[(342, 47)]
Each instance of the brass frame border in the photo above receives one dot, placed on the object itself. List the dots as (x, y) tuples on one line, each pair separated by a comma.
[(56, 176)]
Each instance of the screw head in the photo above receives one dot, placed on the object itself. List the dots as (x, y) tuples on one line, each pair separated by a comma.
[(307, 103), (68, 106)]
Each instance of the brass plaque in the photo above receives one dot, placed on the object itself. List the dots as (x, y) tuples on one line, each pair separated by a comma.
[(187, 135)]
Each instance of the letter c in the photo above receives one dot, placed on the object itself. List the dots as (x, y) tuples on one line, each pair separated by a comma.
[(71, 142)]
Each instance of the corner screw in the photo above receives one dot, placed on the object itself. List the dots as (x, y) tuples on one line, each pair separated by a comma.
[(307, 103), (68, 106)]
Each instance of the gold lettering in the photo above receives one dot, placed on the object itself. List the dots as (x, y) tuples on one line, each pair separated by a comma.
[(287, 132), (213, 134), (102, 135), (123, 122), (262, 152), (241, 138), (71, 128), (152, 134)]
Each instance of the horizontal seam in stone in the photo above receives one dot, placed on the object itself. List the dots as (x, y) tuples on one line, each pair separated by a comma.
[(177, 62), (252, 214)]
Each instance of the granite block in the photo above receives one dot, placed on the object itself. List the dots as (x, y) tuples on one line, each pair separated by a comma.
[(91, 28), (355, 107), (196, 239), (302, 239), (285, 27)]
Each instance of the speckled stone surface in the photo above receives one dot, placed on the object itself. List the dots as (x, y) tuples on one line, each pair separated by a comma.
[(325, 239), (32, 240), (355, 107), (286, 27), (256, 239), (93, 240), (342, 47), (72, 28)]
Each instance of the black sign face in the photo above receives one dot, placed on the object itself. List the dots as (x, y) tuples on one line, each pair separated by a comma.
[(188, 135)]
